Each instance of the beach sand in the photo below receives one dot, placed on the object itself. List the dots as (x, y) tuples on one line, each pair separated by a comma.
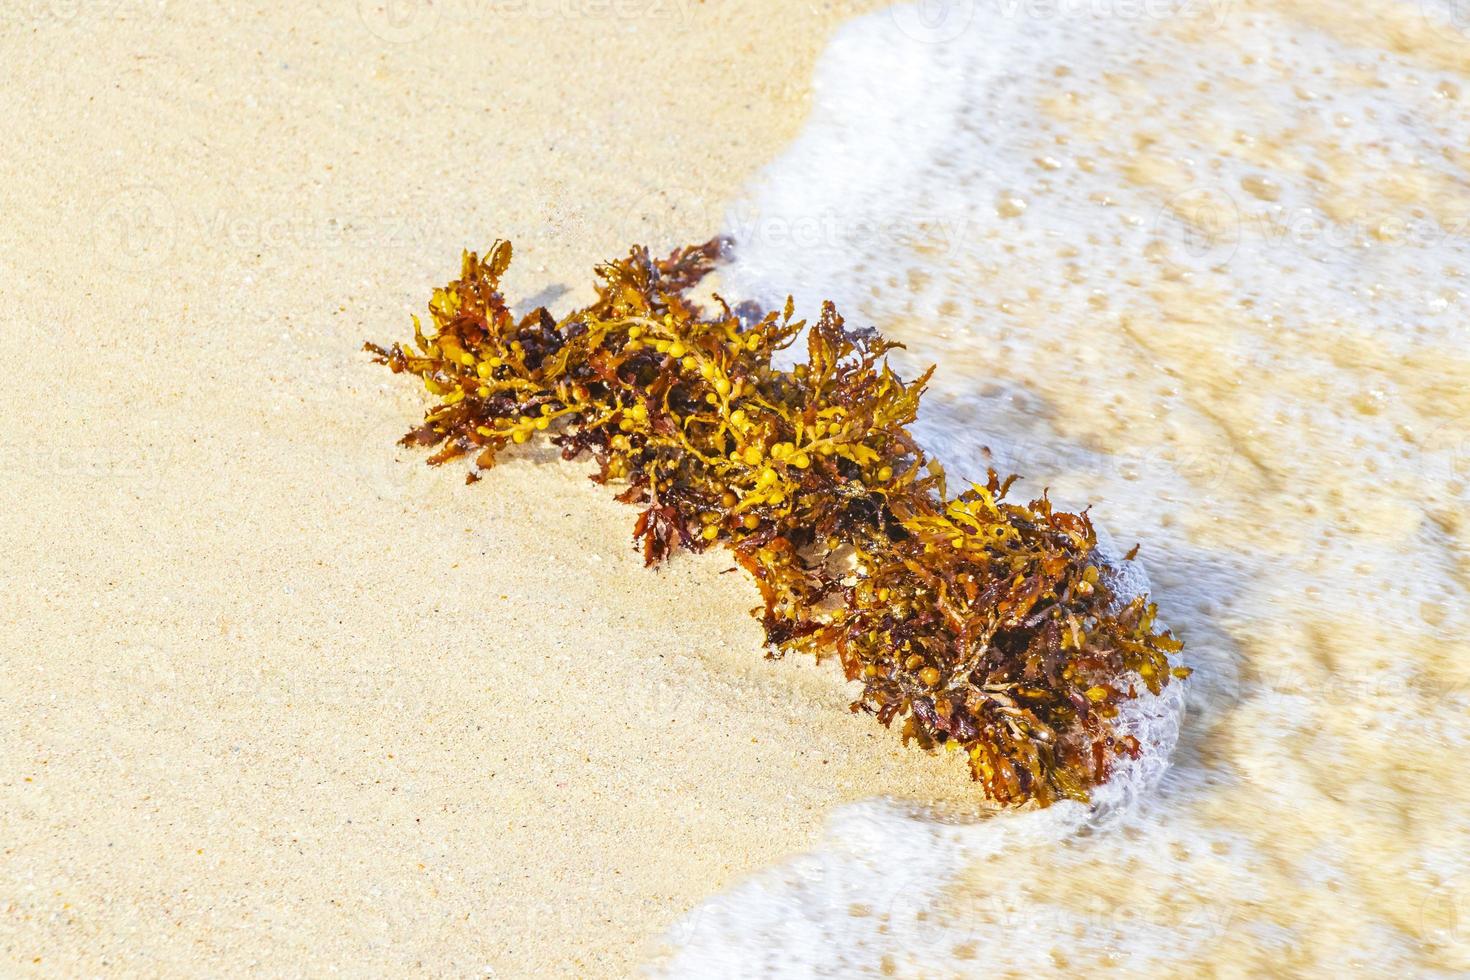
[(276, 696)]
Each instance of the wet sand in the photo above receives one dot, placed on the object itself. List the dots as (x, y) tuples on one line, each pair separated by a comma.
[(277, 697)]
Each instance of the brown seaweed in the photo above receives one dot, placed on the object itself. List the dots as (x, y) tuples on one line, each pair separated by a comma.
[(972, 620)]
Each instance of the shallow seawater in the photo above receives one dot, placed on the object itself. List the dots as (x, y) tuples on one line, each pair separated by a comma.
[(1203, 265)]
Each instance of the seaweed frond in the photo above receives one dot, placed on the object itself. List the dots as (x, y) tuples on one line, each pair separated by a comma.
[(969, 619)]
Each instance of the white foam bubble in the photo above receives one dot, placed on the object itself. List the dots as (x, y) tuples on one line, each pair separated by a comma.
[(872, 889), (1020, 185)]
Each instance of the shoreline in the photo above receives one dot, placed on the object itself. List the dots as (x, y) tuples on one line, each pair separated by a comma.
[(281, 696)]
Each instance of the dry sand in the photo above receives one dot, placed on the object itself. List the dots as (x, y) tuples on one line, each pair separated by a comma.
[(276, 697)]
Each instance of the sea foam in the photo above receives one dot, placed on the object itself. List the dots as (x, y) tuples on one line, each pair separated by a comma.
[(1175, 214)]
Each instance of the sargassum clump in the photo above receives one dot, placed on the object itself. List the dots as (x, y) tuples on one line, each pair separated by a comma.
[(973, 620)]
